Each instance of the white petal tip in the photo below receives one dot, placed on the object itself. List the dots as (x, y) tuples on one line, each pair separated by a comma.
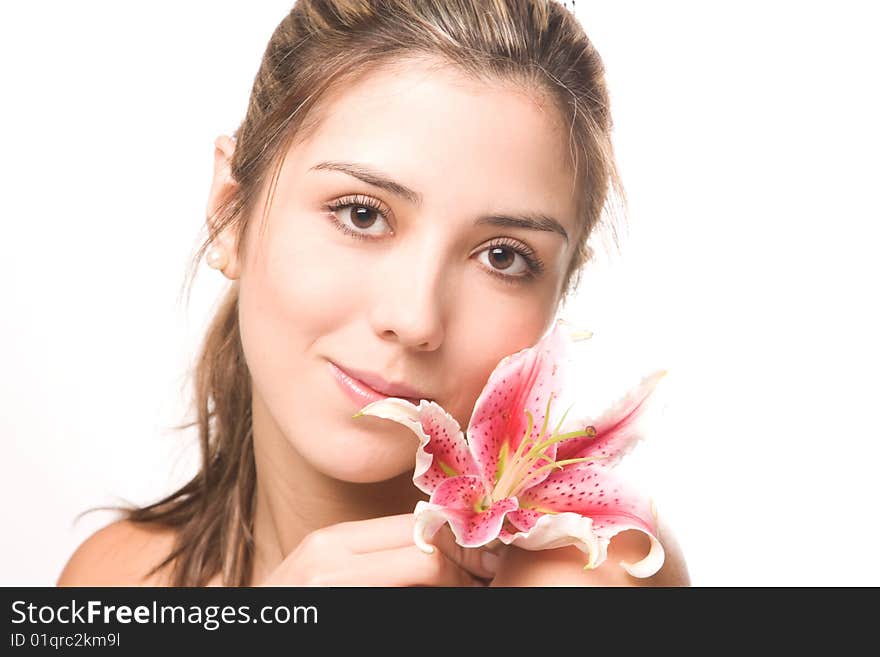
[(428, 521), (392, 408), (420, 541), (369, 409), (648, 566)]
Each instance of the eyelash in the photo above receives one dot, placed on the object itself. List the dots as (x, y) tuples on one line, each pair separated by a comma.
[(533, 261)]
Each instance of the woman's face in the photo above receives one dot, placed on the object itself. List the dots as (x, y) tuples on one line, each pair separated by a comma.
[(408, 278)]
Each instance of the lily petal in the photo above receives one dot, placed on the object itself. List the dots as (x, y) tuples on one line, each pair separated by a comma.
[(611, 503), (442, 452), (524, 519), (645, 567), (618, 429), (523, 381), (456, 501), (548, 531)]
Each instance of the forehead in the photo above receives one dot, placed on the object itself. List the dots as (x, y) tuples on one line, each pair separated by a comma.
[(445, 135)]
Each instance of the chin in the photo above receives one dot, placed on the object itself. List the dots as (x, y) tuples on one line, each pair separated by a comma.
[(364, 459), (357, 473)]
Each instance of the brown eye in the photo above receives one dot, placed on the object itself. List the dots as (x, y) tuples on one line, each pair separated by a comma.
[(355, 216), (501, 257), (362, 216), (501, 260)]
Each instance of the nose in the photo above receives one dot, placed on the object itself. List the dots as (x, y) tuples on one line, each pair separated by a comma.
[(409, 294)]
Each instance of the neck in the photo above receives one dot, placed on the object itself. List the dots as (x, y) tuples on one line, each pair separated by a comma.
[(294, 499)]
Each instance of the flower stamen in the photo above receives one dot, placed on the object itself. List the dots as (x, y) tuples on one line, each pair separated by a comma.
[(502, 481), (589, 431), (515, 473), (553, 465)]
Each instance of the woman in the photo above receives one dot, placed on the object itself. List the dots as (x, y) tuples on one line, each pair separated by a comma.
[(407, 200)]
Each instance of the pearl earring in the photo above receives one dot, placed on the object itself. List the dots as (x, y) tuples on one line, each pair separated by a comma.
[(217, 258)]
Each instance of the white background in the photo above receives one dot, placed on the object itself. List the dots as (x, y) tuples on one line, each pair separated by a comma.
[(747, 137)]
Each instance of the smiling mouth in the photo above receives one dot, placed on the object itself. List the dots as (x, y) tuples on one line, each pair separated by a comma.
[(360, 392)]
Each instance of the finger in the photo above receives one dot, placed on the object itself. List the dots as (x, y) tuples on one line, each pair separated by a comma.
[(406, 566), (374, 534), (388, 532), (481, 562)]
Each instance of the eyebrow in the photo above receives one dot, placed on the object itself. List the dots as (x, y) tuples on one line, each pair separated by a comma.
[(378, 179)]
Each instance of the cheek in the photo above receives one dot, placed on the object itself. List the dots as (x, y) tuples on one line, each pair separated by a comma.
[(294, 291), (306, 283), (278, 308), (289, 298), (496, 326)]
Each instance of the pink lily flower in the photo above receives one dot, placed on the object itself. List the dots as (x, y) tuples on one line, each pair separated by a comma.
[(510, 479)]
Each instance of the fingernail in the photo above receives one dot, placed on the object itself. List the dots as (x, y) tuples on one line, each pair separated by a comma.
[(489, 562)]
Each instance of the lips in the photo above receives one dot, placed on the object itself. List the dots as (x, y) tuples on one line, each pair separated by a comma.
[(366, 387)]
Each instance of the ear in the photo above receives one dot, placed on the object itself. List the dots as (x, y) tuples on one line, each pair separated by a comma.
[(222, 185)]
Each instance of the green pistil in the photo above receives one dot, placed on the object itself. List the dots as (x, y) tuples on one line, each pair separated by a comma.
[(502, 481), (537, 453), (525, 438), (511, 476), (502, 460), (589, 431), (546, 416), (554, 465), (528, 433), (564, 415)]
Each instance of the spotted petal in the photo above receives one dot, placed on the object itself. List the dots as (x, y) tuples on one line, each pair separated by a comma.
[(442, 452), (456, 501), (618, 429), (523, 381), (610, 503)]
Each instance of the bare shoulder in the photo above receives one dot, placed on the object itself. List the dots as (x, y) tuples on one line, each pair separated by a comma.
[(564, 566), (120, 554)]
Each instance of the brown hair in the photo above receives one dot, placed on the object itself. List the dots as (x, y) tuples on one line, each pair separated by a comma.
[(318, 46)]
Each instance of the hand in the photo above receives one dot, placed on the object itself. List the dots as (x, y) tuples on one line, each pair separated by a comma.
[(381, 552)]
